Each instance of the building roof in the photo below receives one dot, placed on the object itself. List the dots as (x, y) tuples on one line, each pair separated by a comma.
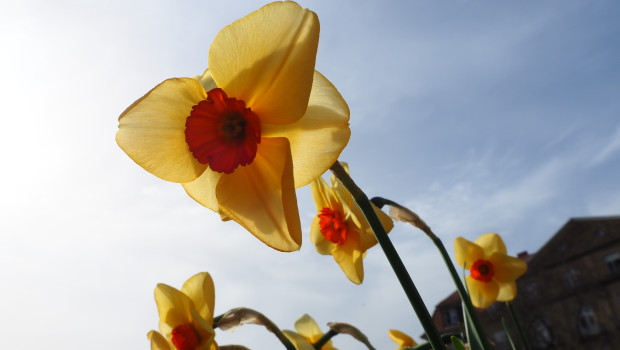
[(578, 236)]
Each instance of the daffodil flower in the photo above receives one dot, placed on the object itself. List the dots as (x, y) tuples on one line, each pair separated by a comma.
[(310, 331), (402, 339), (257, 124), (298, 341), (492, 272), (185, 316), (340, 229)]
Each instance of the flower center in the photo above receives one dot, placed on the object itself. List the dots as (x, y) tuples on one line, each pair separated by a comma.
[(333, 226), (222, 132), (482, 270), (184, 337)]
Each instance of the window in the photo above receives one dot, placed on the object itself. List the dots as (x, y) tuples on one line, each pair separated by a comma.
[(613, 263), (541, 334), (450, 317), (531, 290), (571, 278), (588, 324)]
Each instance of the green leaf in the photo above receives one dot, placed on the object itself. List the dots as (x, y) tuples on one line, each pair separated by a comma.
[(458, 344)]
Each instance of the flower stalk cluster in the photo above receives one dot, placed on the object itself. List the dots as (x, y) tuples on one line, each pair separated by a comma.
[(237, 138)]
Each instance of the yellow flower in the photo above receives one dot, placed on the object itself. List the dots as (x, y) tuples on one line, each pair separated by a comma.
[(257, 124), (185, 316), (298, 341), (310, 331), (340, 228), (402, 339), (159, 342), (492, 272)]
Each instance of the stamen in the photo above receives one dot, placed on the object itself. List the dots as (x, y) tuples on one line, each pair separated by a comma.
[(185, 337), (482, 270), (222, 132), (333, 227)]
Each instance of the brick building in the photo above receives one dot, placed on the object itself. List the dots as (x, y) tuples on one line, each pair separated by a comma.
[(568, 299)]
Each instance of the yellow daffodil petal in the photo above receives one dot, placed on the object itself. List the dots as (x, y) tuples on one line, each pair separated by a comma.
[(306, 327), (507, 291), (400, 338), (206, 80), (158, 341), (491, 242), (466, 252), (205, 330), (173, 306), (367, 237), (359, 236), (325, 124), (298, 341), (202, 190), (200, 289), (507, 268), (482, 294), (323, 246), (354, 213), (267, 60), (261, 196), (322, 194), (350, 258), (152, 130)]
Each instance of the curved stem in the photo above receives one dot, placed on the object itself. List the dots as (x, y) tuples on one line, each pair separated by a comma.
[(469, 307), (390, 252), (404, 214), (241, 315), (345, 328), (324, 339)]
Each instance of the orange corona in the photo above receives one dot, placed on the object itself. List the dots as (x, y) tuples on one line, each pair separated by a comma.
[(482, 270), (222, 132), (184, 337), (333, 226)]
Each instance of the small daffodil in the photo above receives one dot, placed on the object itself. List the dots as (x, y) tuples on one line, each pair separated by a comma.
[(307, 328), (185, 316), (298, 341), (340, 229), (492, 272)]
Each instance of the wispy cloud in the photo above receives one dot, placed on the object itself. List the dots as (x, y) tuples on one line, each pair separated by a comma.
[(609, 149)]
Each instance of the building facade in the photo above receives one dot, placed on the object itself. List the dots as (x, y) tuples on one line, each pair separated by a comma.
[(568, 299)]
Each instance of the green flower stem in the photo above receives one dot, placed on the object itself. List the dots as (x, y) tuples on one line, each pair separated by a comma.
[(469, 307), (324, 339), (390, 252), (404, 214), (524, 340)]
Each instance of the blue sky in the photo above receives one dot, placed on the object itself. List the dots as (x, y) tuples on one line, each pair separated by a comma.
[(481, 116)]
